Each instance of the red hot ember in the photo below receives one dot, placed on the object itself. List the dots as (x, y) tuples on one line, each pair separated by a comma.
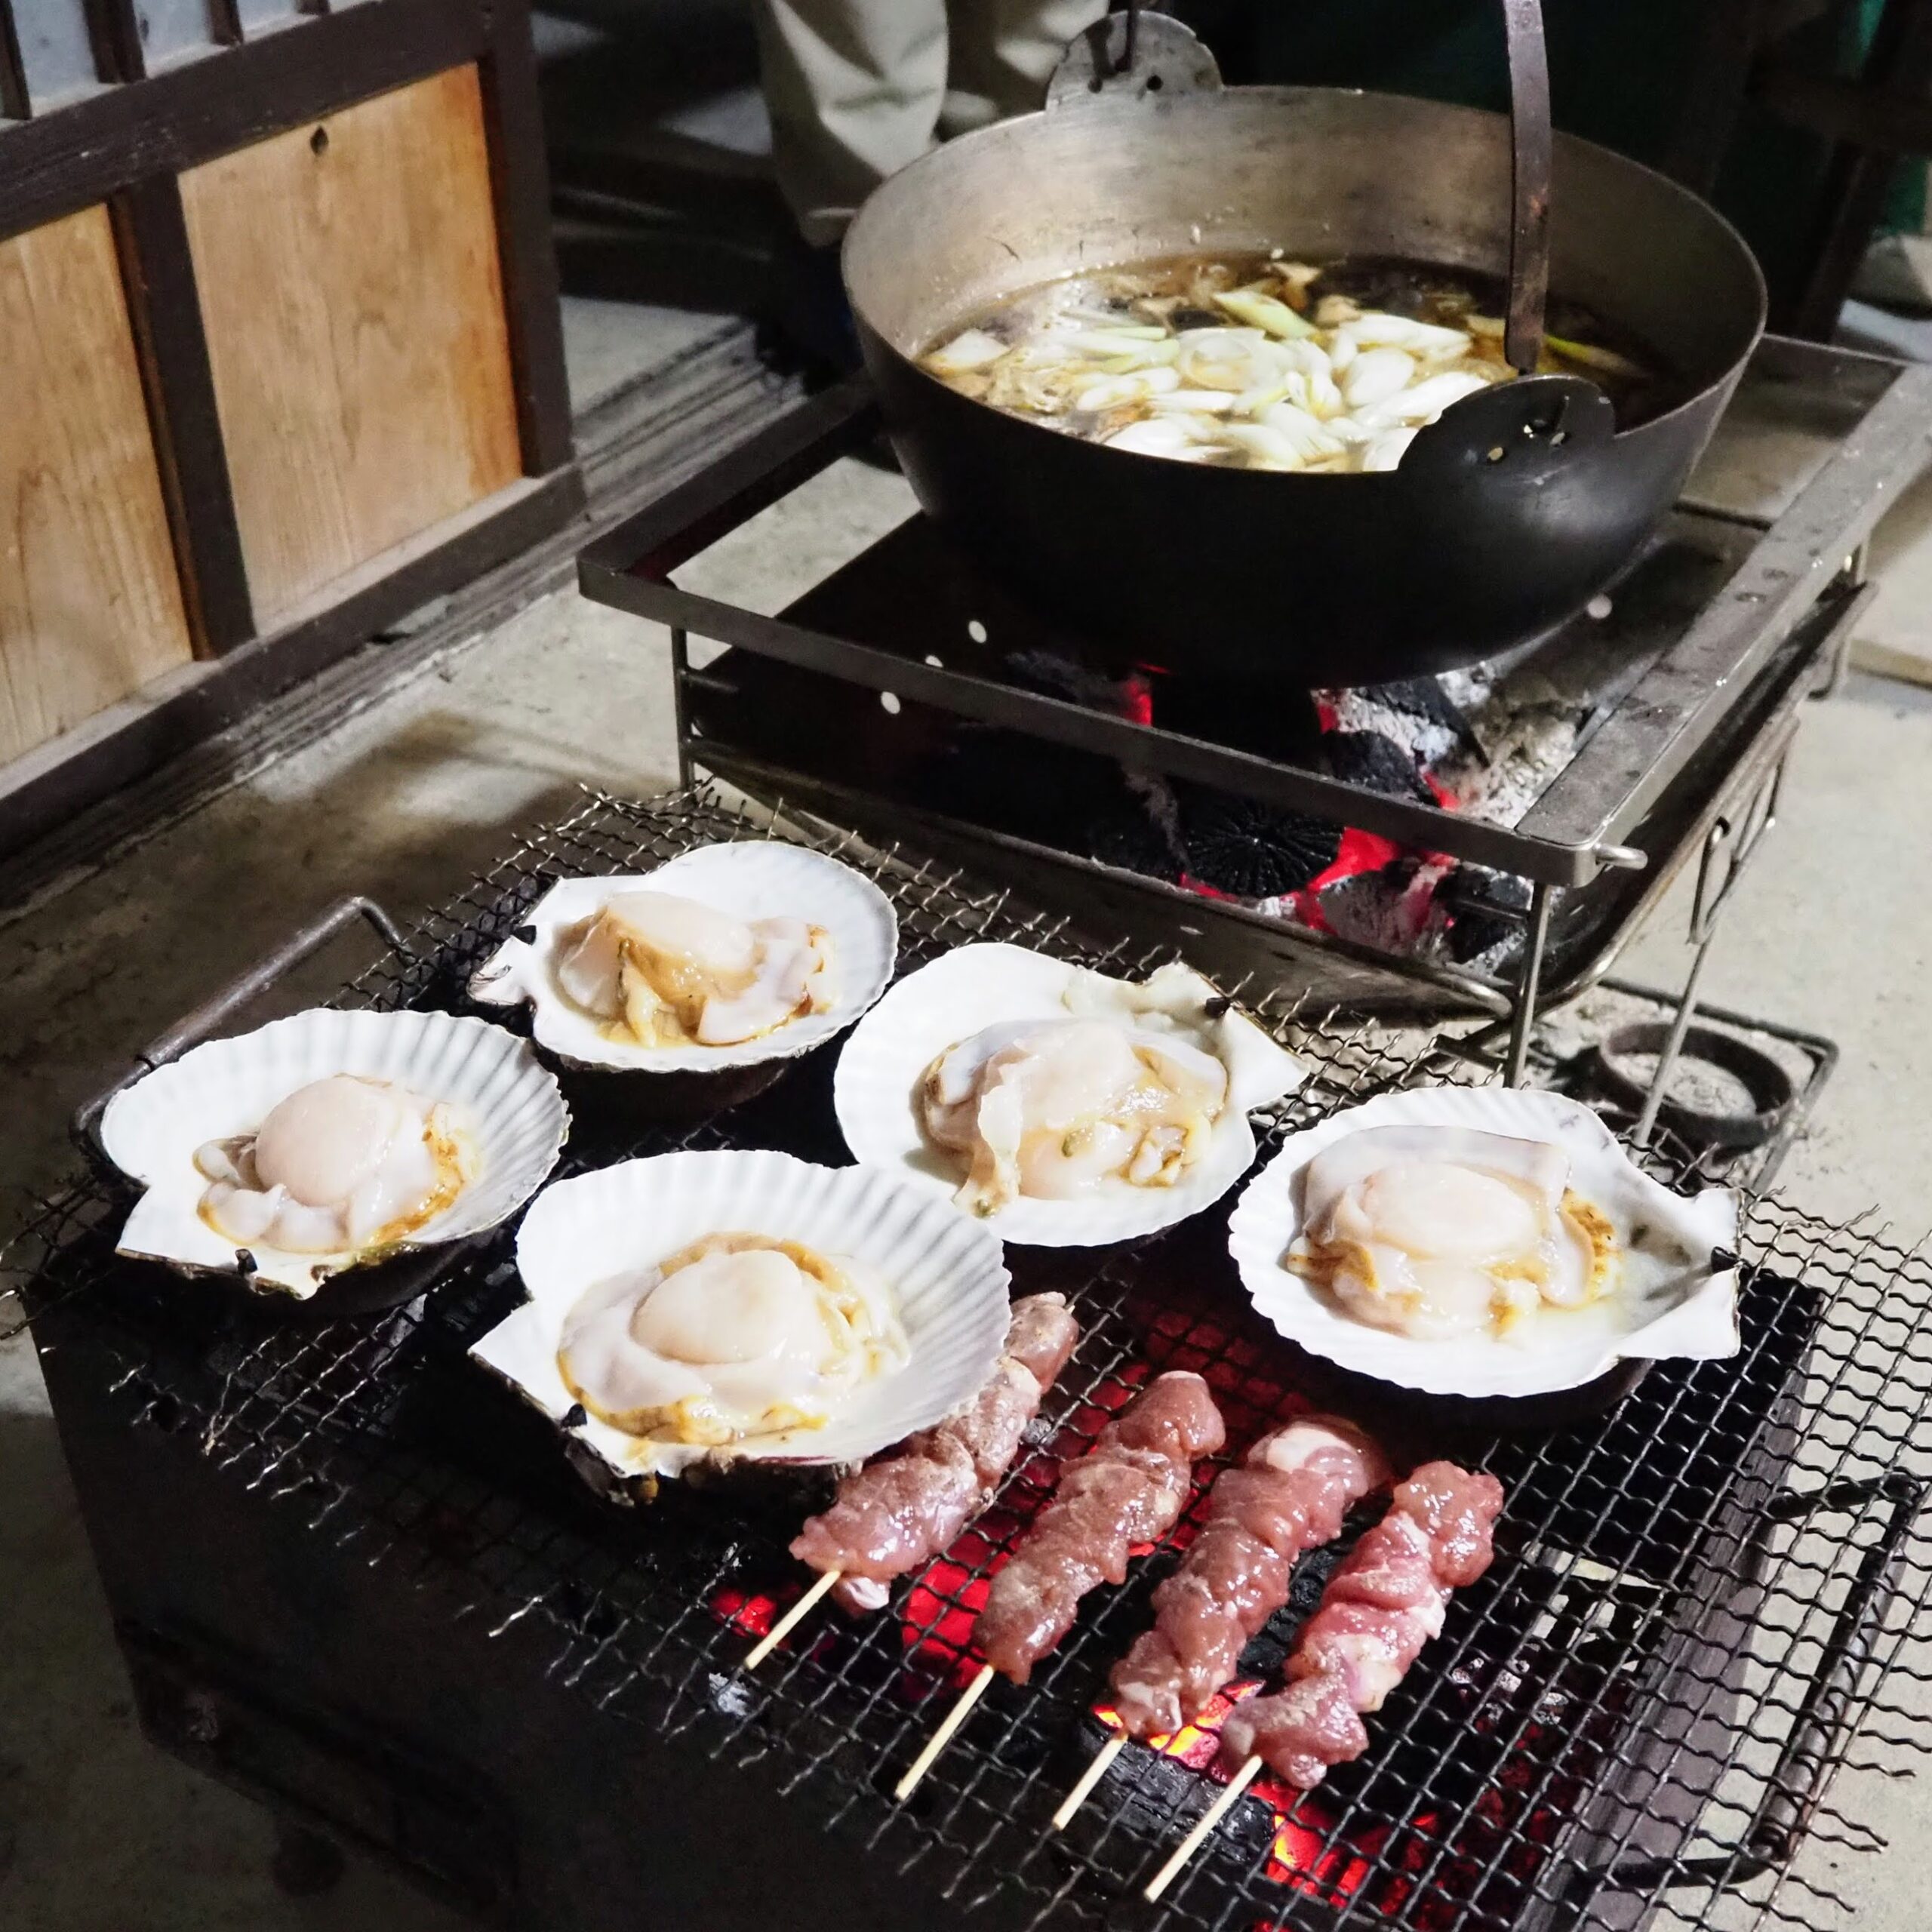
[(903, 1510), (1289, 1498), (1386, 1602), (1129, 1489)]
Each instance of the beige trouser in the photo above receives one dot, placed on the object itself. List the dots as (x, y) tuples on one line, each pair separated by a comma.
[(857, 88)]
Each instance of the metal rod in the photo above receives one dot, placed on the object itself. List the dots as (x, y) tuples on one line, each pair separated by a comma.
[(1673, 1045), (681, 669), (1523, 1021), (1531, 159)]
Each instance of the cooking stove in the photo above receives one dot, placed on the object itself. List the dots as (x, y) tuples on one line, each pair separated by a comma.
[(354, 1576), (1483, 844)]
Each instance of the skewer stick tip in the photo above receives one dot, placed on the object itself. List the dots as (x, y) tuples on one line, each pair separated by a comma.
[(790, 1620), (1089, 1778), (1204, 1826), (942, 1737)]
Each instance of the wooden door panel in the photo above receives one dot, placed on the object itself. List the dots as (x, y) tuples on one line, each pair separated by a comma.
[(353, 309), (91, 607)]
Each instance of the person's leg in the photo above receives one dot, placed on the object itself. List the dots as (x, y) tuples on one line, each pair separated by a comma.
[(855, 88), (1003, 53)]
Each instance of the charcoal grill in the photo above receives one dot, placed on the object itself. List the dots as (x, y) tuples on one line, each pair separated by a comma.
[(899, 690), (353, 1577)]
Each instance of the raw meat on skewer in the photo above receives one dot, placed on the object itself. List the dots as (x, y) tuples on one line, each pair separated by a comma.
[(1288, 1496), (1386, 1601), (1383, 1604), (1130, 1488), (905, 1507)]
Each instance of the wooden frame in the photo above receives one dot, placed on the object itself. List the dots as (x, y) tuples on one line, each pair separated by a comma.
[(125, 145)]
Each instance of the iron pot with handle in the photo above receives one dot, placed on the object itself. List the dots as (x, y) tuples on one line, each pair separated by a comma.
[(1504, 518)]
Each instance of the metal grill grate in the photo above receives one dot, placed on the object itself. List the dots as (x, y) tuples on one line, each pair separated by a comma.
[(1701, 1602)]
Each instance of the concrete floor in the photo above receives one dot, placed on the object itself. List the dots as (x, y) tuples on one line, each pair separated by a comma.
[(1833, 932)]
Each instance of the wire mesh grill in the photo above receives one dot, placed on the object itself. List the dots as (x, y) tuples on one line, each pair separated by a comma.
[(1702, 1601)]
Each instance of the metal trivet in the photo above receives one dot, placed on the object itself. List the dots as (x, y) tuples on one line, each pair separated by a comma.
[(1705, 1608), (901, 691)]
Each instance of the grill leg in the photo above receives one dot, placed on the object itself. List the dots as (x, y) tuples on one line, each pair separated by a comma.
[(305, 1864), (1646, 1121), (1523, 1020)]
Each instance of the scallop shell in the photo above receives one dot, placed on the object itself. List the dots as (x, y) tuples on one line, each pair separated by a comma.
[(507, 1104), (974, 986), (750, 878), (1676, 1304), (947, 1272)]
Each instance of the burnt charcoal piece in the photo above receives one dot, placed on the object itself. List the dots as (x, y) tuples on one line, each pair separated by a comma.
[(1236, 845), (1424, 697), (1480, 904), (1476, 934), (1122, 833), (1367, 758), (1393, 910)]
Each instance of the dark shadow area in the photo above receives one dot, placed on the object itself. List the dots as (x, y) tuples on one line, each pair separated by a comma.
[(659, 163)]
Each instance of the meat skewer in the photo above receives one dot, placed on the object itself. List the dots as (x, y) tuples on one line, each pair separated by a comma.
[(1289, 1497), (903, 1508), (1130, 1488), (1385, 1601)]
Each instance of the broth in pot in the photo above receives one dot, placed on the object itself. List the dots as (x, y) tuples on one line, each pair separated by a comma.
[(1260, 362)]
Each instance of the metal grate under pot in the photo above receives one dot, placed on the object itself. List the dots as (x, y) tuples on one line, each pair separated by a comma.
[(1708, 1601)]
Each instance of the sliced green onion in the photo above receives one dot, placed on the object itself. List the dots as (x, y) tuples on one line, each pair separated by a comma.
[(1263, 312)]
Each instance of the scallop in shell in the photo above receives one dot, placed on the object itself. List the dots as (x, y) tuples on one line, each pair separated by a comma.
[(1074, 1109), (743, 1306), (1482, 1241), (328, 1140), (728, 955)]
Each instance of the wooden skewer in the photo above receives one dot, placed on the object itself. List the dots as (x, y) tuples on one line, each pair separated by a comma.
[(791, 1619), (1089, 1778), (942, 1737), (1208, 1819)]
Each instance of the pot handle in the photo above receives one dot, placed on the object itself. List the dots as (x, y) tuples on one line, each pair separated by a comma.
[(1136, 51), (1531, 145)]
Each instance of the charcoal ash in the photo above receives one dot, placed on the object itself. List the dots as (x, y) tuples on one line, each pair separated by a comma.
[(1253, 850), (1416, 713), (1394, 910), (1527, 731)]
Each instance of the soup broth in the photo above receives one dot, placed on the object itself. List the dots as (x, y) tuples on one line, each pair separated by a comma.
[(1260, 362)]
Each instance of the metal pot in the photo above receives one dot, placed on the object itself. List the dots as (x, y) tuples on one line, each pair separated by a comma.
[(1505, 517)]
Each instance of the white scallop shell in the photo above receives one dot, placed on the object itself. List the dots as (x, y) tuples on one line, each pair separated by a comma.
[(972, 987), (1672, 1302), (946, 1272), (505, 1103), (752, 878)]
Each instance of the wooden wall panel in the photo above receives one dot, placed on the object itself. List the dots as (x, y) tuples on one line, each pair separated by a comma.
[(90, 606), (354, 315)]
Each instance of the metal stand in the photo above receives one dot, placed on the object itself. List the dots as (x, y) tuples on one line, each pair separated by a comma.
[(1726, 857)]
